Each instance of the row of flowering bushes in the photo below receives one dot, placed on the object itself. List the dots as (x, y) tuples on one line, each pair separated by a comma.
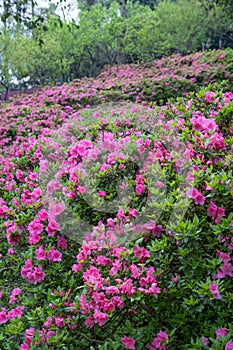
[(116, 222), (156, 81)]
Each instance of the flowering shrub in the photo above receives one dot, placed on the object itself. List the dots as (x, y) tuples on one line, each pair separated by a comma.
[(116, 222)]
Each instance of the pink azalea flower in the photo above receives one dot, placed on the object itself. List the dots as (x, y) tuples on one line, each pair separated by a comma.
[(10, 251), (141, 253), (24, 346), (102, 193), (59, 321), (222, 332), (223, 256), (175, 279), (100, 318), (112, 290), (62, 242), (49, 322), (205, 341), (197, 196), (55, 209), (229, 345), (129, 343), (16, 291), (36, 227), (209, 96), (227, 269), (214, 290), (159, 342), (17, 312), (215, 212), (3, 316), (40, 253), (54, 255)]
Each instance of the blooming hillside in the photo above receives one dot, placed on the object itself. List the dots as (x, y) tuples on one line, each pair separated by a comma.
[(116, 218)]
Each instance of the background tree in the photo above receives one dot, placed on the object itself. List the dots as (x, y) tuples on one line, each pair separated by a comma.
[(219, 26), (141, 36), (5, 69), (181, 26)]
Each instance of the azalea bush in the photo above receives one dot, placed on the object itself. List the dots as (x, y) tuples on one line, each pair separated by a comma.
[(116, 221)]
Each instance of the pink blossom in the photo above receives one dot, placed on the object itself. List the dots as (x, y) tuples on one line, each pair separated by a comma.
[(159, 342), (215, 212), (227, 269), (34, 238), (197, 196), (205, 341), (40, 253), (77, 267), (140, 189), (134, 269), (52, 227), (89, 322), (214, 290), (133, 212), (159, 184), (10, 251), (62, 242), (49, 322), (127, 287), (152, 290), (156, 230), (19, 175), (29, 333), (118, 301), (39, 275), (175, 279), (24, 346), (120, 214), (141, 253), (216, 142), (42, 214), (129, 343), (82, 189), (44, 164), (102, 193), (16, 292), (100, 318), (3, 316), (55, 209), (116, 265), (33, 274), (17, 312), (37, 192), (50, 334), (59, 321), (92, 277), (52, 186), (102, 260), (112, 290), (209, 96), (223, 256), (222, 332), (54, 255), (229, 345), (35, 227)]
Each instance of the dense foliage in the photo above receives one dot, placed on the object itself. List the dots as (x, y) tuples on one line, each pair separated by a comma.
[(116, 213)]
